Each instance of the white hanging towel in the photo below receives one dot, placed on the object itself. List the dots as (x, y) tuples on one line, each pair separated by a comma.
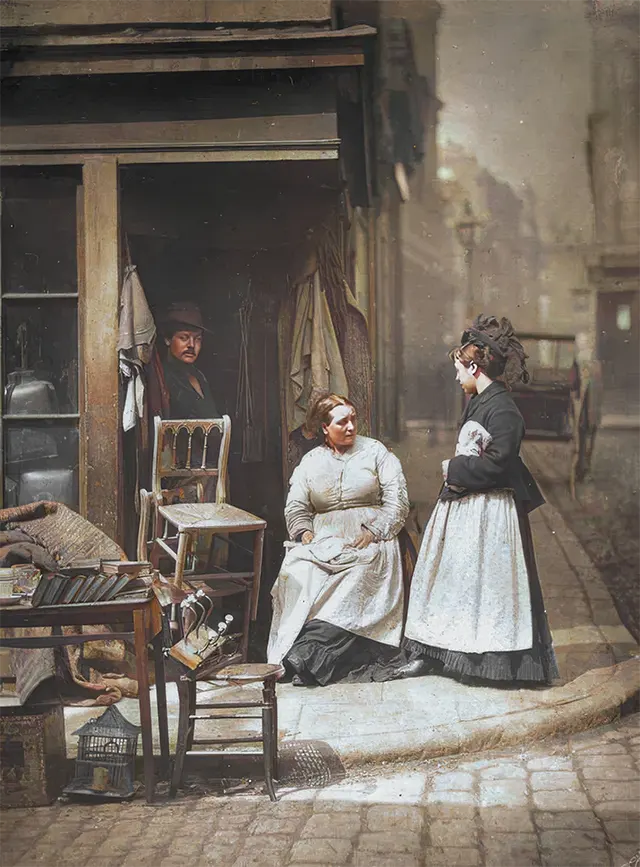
[(136, 329)]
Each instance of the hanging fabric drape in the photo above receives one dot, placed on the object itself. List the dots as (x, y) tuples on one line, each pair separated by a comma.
[(315, 362), (137, 332), (350, 323), (136, 351), (252, 435)]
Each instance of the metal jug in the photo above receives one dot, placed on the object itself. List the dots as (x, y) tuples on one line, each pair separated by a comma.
[(25, 394)]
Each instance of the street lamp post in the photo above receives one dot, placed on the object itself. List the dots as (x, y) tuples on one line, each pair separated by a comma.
[(466, 231)]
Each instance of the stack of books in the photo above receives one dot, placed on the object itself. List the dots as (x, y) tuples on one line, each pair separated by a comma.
[(89, 581)]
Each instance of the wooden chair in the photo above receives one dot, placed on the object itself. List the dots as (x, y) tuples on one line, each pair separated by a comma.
[(182, 456), (252, 705)]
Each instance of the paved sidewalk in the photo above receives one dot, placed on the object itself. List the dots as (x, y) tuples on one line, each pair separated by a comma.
[(571, 802), (434, 716)]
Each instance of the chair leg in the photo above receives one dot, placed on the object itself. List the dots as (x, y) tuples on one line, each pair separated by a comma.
[(154, 555), (184, 723), (258, 545), (192, 701), (246, 625), (268, 748), (270, 700), (244, 646), (181, 557)]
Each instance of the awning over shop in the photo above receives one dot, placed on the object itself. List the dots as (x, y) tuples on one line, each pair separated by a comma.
[(58, 13), (92, 51)]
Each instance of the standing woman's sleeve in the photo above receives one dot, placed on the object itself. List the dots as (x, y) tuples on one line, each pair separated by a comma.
[(394, 506), (298, 511), (492, 468)]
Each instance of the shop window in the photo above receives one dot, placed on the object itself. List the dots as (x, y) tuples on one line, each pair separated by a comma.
[(39, 308), (623, 317)]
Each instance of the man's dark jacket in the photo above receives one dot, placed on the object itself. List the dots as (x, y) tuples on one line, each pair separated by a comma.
[(185, 402)]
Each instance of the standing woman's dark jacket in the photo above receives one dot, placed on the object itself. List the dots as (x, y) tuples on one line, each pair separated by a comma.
[(501, 465)]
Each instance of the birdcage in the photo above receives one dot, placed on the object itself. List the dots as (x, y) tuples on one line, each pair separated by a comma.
[(105, 766)]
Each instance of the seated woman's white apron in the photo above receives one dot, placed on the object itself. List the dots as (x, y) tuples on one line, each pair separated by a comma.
[(359, 590)]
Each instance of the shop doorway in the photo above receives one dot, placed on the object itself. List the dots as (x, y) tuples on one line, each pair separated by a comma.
[(231, 238), (619, 340)]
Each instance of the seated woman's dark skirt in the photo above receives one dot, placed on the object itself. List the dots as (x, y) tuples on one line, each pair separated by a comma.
[(324, 654)]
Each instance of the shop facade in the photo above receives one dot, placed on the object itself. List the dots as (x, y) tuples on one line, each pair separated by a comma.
[(228, 152), (614, 163)]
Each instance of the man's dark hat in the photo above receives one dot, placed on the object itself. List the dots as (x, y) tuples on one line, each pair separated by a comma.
[(184, 314)]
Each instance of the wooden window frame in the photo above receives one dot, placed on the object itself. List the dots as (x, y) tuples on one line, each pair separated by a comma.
[(44, 417)]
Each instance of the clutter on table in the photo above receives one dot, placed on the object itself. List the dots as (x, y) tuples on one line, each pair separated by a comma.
[(82, 581)]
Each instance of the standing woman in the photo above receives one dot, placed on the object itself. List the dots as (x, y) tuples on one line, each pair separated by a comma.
[(476, 607)]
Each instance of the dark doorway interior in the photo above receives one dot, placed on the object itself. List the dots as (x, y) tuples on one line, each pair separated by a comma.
[(619, 345), (217, 234)]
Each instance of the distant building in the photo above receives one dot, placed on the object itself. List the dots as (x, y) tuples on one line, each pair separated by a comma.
[(614, 160), (507, 259)]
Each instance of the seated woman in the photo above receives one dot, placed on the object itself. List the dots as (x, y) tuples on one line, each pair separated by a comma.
[(338, 599)]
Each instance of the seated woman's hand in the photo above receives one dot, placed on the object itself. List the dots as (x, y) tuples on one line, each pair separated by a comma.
[(365, 538), (307, 537)]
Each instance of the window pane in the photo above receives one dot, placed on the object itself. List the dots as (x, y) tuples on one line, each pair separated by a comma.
[(623, 317), (40, 342), (41, 463), (39, 230), (549, 359)]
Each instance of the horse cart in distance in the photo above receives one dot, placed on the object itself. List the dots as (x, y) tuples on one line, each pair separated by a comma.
[(561, 401)]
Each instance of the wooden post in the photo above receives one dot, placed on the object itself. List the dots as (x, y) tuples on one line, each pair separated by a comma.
[(99, 330), (387, 307)]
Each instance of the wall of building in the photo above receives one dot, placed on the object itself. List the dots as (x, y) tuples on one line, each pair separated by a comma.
[(52, 13), (427, 274), (614, 152), (615, 122)]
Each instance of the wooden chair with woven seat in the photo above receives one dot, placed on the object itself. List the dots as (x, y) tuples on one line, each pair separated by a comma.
[(247, 706), (182, 456)]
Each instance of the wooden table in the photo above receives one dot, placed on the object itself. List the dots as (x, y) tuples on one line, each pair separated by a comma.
[(145, 615)]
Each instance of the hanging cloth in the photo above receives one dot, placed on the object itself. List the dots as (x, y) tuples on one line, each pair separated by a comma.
[(252, 435), (137, 333), (350, 324), (315, 362)]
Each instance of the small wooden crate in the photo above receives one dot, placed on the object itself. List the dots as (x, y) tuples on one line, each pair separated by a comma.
[(32, 755)]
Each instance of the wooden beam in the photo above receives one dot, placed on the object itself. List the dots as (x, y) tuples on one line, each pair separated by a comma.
[(49, 158), (387, 306), (255, 132), (78, 13), (82, 271), (99, 329), (161, 38), (185, 63)]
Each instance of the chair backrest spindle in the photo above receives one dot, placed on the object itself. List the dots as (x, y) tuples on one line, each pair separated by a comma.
[(165, 462), (188, 463), (174, 449)]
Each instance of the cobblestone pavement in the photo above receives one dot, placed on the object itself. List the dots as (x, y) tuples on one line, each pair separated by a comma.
[(604, 516), (569, 801)]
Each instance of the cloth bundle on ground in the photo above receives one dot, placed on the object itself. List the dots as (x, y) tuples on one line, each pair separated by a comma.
[(50, 536)]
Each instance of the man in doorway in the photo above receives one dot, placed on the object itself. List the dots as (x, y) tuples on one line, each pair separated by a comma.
[(189, 392)]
